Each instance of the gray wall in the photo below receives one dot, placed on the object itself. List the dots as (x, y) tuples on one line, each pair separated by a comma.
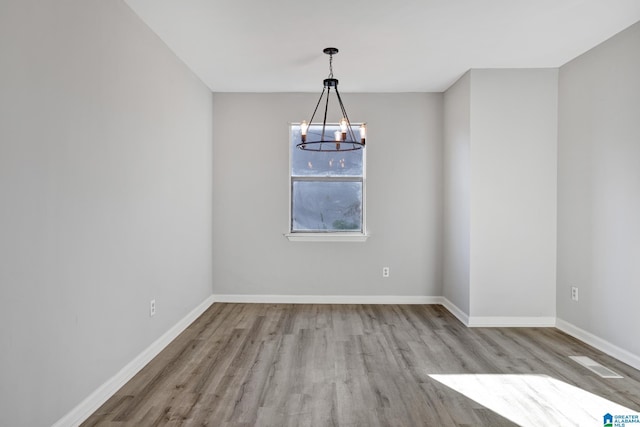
[(457, 170), (105, 192), (598, 190), (513, 192), (404, 199), (500, 195)]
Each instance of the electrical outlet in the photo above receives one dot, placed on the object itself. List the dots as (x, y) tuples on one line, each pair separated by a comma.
[(152, 307), (385, 271), (574, 293)]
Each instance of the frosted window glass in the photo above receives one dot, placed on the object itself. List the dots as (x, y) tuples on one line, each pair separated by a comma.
[(327, 206)]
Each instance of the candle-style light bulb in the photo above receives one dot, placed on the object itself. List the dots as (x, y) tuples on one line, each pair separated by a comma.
[(363, 133), (343, 128), (303, 130), (338, 137)]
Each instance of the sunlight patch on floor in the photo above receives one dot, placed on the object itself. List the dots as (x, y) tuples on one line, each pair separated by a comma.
[(534, 400)]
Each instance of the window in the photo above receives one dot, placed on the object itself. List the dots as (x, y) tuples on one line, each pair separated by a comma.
[(326, 191)]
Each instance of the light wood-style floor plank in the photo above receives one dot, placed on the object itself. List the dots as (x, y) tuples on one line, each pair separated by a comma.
[(359, 365)]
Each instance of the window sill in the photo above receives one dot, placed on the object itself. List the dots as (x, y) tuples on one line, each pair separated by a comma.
[(326, 237)]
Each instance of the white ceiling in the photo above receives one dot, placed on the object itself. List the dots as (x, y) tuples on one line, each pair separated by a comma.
[(385, 46)]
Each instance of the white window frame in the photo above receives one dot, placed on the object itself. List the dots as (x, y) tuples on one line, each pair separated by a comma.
[(327, 236)]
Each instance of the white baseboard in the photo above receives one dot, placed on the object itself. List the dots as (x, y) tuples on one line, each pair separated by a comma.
[(89, 405), (497, 321), (456, 311), (511, 322), (597, 342), (329, 299)]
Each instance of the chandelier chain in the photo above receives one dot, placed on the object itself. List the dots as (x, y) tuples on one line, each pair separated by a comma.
[(331, 66)]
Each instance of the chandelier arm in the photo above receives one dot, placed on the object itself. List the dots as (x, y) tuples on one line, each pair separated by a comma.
[(346, 116), (317, 105), (326, 107)]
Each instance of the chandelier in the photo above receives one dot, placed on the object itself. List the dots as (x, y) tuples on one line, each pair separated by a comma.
[(343, 138)]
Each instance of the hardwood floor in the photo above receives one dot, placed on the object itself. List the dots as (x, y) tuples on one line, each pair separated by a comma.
[(366, 365)]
